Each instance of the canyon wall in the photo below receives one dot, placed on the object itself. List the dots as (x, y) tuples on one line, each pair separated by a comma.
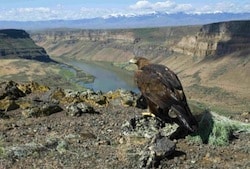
[(18, 44), (112, 45), (205, 41), (216, 39)]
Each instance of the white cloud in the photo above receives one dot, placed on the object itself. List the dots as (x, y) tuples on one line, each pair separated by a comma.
[(224, 7), (141, 5), (31, 10), (163, 5), (24, 14), (41, 13), (170, 6), (166, 6), (184, 8)]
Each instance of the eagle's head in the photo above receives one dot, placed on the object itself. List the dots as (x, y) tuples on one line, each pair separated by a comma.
[(139, 61)]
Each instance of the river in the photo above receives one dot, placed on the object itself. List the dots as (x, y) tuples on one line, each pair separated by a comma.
[(107, 76)]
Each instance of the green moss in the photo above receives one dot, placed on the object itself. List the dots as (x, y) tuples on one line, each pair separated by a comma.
[(220, 134), (217, 130)]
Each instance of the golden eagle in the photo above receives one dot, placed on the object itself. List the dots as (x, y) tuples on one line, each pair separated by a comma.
[(163, 93)]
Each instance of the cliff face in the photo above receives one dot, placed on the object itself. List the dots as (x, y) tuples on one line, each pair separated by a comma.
[(216, 39), (111, 45), (18, 44)]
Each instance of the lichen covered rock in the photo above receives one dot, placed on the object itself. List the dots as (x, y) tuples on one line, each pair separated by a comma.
[(32, 87), (7, 105), (121, 97), (41, 109), (10, 89), (77, 109)]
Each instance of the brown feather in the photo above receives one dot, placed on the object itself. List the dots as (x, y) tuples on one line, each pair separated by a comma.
[(163, 91)]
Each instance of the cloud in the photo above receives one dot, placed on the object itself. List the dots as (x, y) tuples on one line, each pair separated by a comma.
[(31, 10), (25, 14), (42, 13), (227, 6), (170, 6), (218, 7), (167, 6)]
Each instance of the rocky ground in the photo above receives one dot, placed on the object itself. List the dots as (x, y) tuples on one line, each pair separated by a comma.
[(42, 127)]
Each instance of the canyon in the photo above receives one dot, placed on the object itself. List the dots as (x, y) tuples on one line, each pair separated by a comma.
[(211, 60)]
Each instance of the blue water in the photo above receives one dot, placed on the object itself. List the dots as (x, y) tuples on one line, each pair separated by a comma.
[(105, 79)]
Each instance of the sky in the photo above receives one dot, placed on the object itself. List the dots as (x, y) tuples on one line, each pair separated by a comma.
[(35, 10)]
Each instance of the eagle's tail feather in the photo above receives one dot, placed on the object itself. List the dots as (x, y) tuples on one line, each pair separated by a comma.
[(184, 118)]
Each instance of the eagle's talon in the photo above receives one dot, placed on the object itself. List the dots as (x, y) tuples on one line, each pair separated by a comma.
[(148, 114)]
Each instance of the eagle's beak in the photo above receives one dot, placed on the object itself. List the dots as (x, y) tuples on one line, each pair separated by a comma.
[(132, 61)]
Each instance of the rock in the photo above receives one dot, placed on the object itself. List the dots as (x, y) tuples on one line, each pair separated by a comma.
[(148, 127), (153, 153), (32, 87), (121, 97), (151, 137), (65, 96), (7, 105), (128, 97), (11, 90), (62, 146), (42, 109), (22, 151), (71, 93), (162, 146), (87, 93), (77, 109), (3, 116), (73, 110), (58, 94), (93, 98)]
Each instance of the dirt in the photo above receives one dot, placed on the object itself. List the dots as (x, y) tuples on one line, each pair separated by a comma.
[(97, 140)]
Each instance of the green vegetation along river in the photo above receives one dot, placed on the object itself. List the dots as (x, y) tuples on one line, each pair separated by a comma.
[(107, 76)]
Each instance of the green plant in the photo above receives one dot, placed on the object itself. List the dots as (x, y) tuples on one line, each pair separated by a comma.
[(215, 129)]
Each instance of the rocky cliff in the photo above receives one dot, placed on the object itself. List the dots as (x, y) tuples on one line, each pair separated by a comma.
[(18, 44), (111, 45), (216, 39)]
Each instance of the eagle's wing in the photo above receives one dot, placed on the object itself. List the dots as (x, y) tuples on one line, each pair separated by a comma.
[(162, 87), (159, 85)]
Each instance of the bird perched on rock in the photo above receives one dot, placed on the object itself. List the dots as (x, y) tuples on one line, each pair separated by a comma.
[(163, 92)]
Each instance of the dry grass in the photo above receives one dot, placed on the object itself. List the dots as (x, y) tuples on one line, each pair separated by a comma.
[(27, 67)]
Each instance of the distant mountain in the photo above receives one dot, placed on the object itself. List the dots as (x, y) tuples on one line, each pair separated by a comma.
[(156, 19)]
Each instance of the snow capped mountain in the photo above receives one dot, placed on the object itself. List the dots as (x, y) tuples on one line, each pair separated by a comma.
[(130, 20)]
